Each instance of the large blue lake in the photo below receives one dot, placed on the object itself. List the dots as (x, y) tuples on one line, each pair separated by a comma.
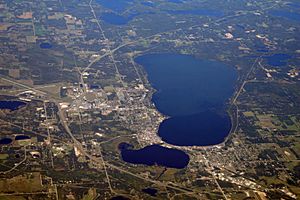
[(117, 19), (193, 93)]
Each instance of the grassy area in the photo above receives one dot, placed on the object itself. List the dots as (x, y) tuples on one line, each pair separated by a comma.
[(249, 114), (268, 121), (91, 195), (272, 180), (271, 121), (23, 183), (40, 30), (296, 147), (3, 156)]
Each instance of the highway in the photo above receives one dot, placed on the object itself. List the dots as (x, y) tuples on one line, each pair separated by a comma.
[(100, 161), (14, 82), (110, 52)]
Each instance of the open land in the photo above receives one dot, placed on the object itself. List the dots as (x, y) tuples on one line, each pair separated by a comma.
[(85, 95)]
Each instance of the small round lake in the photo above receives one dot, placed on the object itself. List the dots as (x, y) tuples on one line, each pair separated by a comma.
[(194, 94), (5, 141), (150, 191), (45, 45), (11, 105), (119, 198), (154, 155), (22, 137)]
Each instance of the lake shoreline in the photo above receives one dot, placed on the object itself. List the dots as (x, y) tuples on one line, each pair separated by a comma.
[(225, 111)]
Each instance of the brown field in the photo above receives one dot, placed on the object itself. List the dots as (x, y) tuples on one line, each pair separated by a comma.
[(30, 182), (15, 73), (25, 15), (4, 27)]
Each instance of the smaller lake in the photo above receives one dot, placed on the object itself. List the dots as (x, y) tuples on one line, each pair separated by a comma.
[(22, 137), (154, 155), (278, 60), (119, 198), (5, 141), (11, 105), (94, 87), (45, 45), (150, 191)]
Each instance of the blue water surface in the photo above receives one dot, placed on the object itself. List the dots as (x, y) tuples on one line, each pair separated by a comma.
[(5, 141), (150, 191), (11, 105), (204, 128), (119, 198), (193, 93), (45, 45), (154, 155), (22, 137)]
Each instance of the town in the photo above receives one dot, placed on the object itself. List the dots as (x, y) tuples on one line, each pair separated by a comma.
[(71, 92)]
